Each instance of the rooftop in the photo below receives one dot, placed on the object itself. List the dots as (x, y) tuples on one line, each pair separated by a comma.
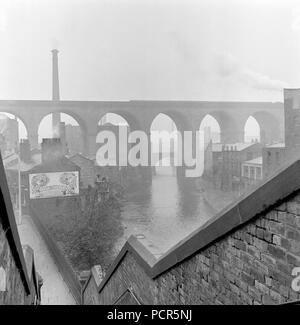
[(81, 156), (60, 164), (12, 162), (255, 161), (276, 145), (238, 146)]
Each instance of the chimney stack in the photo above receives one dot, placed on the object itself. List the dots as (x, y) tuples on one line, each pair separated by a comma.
[(63, 139), (52, 149), (55, 92), (55, 80), (25, 154)]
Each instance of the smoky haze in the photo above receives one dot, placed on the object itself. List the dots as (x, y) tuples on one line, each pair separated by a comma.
[(123, 50)]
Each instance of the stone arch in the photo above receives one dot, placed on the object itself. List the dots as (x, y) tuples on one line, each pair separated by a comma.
[(214, 126), (252, 130), (23, 124), (158, 153), (181, 121), (75, 137), (269, 127), (112, 118), (163, 115), (132, 124), (131, 120), (75, 116), (232, 130), (171, 127)]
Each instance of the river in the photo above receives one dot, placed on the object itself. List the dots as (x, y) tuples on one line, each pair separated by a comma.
[(163, 213)]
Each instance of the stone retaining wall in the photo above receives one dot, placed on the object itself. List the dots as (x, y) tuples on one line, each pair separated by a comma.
[(14, 292)]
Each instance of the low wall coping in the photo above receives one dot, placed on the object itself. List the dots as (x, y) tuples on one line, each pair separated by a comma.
[(9, 225)]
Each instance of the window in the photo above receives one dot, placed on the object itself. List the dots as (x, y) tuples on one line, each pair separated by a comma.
[(245, 171), (258, 173), (252, 172)]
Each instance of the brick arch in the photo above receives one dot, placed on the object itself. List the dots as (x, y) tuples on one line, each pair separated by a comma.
[(260, 133), (18, 116), (182, 122), (209, 115), (75, 116), (269, 126), (132, 121), (164, 114), (81, 123), (231, 128), (182, 125)]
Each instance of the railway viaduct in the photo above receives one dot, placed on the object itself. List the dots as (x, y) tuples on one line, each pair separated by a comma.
[(187, 116)]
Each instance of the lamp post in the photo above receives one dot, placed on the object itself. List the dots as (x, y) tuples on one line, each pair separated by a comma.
[(18, 149), (20, 187)]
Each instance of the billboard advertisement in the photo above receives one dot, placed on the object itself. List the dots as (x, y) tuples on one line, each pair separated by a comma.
[(57, 184)]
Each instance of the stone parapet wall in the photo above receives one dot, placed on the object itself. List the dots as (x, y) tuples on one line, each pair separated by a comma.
[(13, 292), (14, 278)]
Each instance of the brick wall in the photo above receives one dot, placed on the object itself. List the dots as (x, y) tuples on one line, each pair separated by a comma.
[(245, 255), (87, 170), (14, 278), (15, 293), (15, 288), (90, 296), (90, 289)]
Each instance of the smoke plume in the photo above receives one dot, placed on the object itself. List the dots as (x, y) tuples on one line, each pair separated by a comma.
[(229, 67)]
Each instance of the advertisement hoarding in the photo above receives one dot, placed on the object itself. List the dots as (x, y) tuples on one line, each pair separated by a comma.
[(54, 184)]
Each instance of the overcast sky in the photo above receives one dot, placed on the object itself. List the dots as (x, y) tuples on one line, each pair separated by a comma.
[(126, 49)]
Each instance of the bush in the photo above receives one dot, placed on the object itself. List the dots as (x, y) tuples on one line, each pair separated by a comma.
[(88, 237)]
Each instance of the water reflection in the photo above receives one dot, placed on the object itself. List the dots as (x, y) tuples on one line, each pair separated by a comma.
[(164, 212)]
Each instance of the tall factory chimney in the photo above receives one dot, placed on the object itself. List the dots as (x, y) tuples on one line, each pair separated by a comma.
[(55, 93), (55, 81)]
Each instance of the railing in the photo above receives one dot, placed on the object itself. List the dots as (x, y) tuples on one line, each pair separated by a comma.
[(65, 269)]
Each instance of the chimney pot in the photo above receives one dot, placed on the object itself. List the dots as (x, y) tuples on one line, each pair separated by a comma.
[(52, 149)]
